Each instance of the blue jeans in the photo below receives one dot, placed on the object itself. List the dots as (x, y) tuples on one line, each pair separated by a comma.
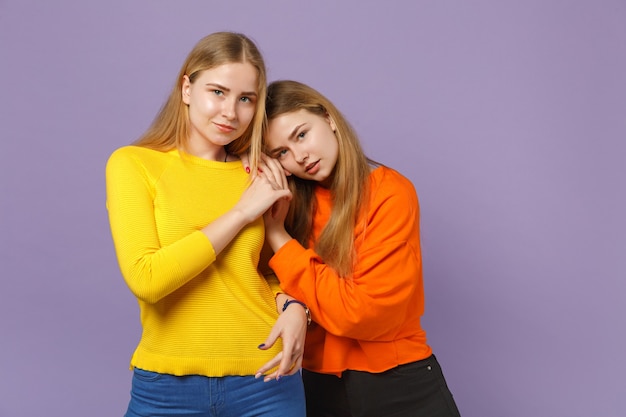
[(154, 395)]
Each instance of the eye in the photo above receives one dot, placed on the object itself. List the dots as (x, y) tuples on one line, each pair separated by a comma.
[(302, 134), (218, 92), (281, 153), (246, 99)]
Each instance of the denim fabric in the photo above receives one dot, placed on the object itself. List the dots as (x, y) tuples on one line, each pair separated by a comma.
[(156, 395)]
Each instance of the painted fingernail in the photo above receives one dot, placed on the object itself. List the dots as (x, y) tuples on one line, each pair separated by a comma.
[(248, 170), (261, 345)]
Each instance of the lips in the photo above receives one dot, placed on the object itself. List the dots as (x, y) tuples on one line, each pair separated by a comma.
[(224, 128), (312, 168)]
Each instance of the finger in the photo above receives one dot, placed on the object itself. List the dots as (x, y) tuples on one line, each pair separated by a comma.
[(245, 160), (267, 172), (296, 366), (262, 179), (277, 192), (271, 339), (286, 361), (273, 182), (267, 366), (263, 167), (277, 171), (271, 164), (265, 157), (270, 377), (283, 178)]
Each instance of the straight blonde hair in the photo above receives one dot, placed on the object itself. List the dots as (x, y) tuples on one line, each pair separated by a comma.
[(350, 182), (170, 128)]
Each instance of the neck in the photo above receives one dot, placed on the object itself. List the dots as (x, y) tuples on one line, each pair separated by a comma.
[(217, 154)]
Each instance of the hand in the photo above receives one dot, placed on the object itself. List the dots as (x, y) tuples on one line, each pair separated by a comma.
[(274, 218), (262, 193), (265, 189), (275, 174), (273, 171), (291, 328)]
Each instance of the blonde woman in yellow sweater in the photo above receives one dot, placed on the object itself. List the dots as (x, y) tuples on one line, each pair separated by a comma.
[(187, 225)]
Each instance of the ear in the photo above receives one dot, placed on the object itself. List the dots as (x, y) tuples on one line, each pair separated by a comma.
[(331, 122), (186, 90)]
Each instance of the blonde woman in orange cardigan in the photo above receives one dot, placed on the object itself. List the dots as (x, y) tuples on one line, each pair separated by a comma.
[(348, 246)]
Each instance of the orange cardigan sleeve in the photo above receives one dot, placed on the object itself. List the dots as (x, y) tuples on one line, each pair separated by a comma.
[(376, 303)]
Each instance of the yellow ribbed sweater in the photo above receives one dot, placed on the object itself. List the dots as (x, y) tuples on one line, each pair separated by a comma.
[(200, 314)]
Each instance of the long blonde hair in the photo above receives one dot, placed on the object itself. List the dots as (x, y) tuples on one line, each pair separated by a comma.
[(170, 128), (349, 188)]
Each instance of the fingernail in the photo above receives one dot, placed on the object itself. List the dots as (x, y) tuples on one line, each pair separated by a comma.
[(248, 170), (261, 345), (278, 378)]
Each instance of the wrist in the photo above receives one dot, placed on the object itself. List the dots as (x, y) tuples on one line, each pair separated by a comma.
[(241, 216), (277, 239), (306, 309)]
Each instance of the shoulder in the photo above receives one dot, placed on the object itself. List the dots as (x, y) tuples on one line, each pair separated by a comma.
[(392, 197), (134, 152), (135, 156), (392, 207), (386, 182)]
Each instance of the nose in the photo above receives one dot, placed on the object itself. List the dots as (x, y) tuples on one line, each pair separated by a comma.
[(300, 155), (229, 109)]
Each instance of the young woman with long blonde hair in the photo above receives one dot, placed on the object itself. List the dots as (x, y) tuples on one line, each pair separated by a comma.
[(188, 231), (348, 246)]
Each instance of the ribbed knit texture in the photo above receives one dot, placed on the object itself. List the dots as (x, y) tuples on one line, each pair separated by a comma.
[(370, 322), (200, 314)]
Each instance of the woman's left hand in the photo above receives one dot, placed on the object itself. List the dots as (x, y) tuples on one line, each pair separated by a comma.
[(291, 328)]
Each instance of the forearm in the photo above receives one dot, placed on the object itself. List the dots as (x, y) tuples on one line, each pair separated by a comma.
[(254, 202), (276, 237), (152, 273), (363, 307), (223, 229)]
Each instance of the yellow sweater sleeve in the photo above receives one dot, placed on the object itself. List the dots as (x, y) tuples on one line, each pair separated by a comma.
[(151, 271)]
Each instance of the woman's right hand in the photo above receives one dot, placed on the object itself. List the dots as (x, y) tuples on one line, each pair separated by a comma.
[(266, 188), (263, 192)]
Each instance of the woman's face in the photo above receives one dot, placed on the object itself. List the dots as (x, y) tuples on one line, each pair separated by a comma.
[(222, 102), (305, 144)]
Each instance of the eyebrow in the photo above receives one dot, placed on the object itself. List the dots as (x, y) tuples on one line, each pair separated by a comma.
[(290, 137), (221, 87)]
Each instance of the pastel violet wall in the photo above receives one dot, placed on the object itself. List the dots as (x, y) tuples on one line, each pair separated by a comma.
[(509, 117)]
